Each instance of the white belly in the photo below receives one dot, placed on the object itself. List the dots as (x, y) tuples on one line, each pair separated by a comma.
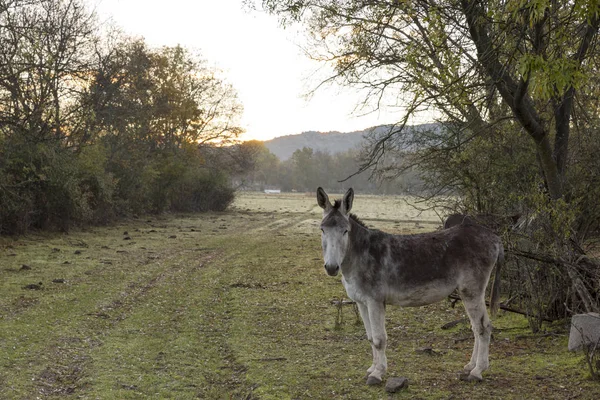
[(405, 297), (419, 296)]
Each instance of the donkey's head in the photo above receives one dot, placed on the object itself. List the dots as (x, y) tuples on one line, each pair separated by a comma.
[(335, 228)]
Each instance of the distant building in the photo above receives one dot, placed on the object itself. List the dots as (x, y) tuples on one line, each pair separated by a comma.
[(272, 191)]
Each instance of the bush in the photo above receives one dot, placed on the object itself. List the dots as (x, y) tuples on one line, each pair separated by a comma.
[(96, 184), (45, 186), (202, 190), (49, 187), (40, 188)]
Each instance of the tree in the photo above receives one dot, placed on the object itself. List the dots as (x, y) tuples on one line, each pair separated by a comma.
[(44, 62), (554, 42), (253, 165), (305, 168), (466, 59), (505, 80), (166, 97), (45, 49), (152, 107), (93, 126)]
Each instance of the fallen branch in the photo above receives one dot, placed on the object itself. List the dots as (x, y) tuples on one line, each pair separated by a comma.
[(506, 308), (537, 335), (454, 299), (535, 256), (574, 270)]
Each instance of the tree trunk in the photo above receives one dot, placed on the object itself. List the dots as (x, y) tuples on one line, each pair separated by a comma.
[(514, 94), (548, 164)]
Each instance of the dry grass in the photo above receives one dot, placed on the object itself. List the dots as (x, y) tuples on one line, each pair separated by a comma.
[(390, 213)]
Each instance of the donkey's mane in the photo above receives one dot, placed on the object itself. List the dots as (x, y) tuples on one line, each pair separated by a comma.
[(358, 221), (336, 206)]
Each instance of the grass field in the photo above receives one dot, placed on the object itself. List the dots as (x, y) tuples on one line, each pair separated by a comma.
[(236, 305)]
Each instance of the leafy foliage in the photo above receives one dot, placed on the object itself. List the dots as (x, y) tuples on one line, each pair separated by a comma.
[(93, 127)]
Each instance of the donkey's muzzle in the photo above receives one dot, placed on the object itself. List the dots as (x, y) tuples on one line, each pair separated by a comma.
[(332, 270)]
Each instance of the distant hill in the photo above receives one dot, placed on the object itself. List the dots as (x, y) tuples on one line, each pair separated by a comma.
[(331, 142)]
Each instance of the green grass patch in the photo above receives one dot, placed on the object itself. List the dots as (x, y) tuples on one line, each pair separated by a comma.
[(235, 305)]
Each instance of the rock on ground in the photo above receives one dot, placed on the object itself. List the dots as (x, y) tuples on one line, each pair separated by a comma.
[(585, 330), (394, 384)]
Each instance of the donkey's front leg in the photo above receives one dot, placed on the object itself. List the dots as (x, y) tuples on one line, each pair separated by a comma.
[(378, 341), (364, 315)]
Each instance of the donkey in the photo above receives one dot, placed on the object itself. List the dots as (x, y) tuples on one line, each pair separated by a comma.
[(379, 268)]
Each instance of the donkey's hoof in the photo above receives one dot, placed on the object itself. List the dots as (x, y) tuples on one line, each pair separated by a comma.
[(467, 377), (373, 380)]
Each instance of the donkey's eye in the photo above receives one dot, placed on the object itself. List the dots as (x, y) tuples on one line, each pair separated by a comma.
[(346, 231)]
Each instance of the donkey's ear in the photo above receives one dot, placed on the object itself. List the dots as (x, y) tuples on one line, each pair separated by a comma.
[(323, 199), (347, 200)]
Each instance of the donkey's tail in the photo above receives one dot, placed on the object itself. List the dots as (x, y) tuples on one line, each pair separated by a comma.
[(495, 300)]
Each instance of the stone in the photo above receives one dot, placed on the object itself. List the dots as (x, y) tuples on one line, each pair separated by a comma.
[(395, 384), (585, 330), (428, 351)]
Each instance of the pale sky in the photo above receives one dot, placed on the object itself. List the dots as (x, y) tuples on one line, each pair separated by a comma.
[(260, 59)]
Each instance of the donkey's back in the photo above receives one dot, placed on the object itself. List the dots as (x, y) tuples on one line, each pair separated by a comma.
[(413, 270)]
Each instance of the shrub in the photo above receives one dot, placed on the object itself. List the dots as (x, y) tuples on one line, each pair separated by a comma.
[(202, 190), (96, 184)]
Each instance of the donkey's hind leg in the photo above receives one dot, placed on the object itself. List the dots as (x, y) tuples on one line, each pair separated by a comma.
[(471, 365), (482, 330)]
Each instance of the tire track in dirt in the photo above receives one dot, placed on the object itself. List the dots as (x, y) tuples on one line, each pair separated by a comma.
[(219, 312), (71, 355), (135, 291), (282, 222)]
